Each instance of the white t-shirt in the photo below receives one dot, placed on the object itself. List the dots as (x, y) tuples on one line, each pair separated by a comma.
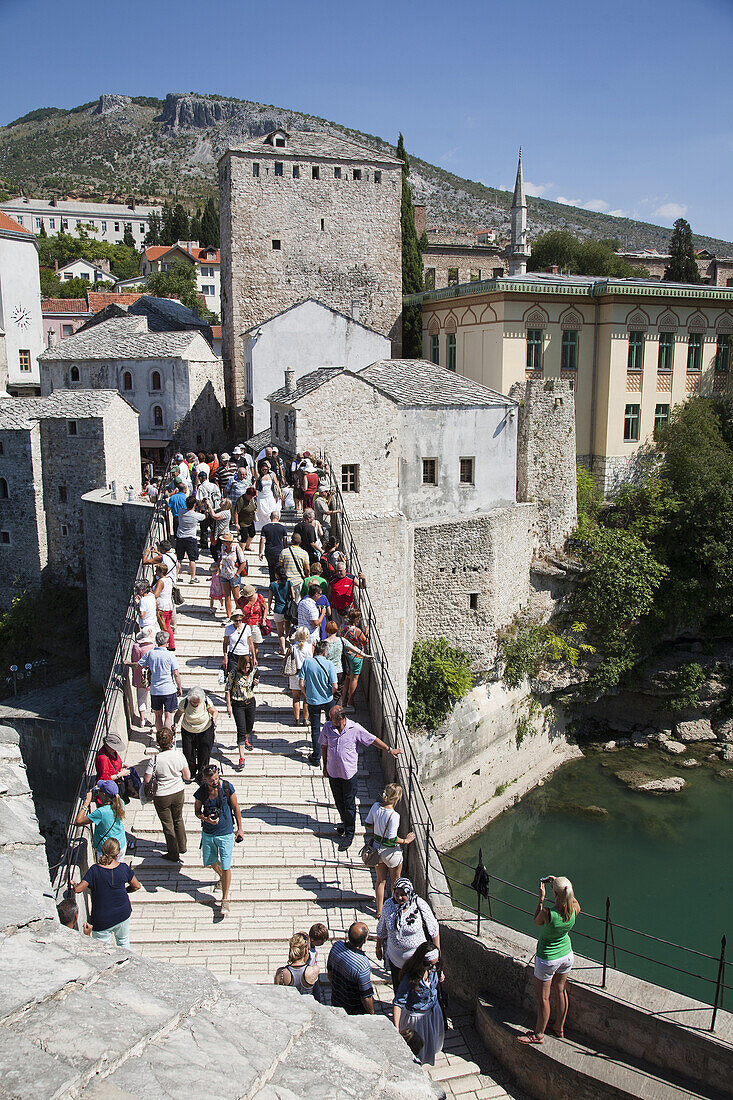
[(166, 767), (165, 599), (203, 468), (147, 611), (237, 646), (301, 654), (307, 614), (385, 820)]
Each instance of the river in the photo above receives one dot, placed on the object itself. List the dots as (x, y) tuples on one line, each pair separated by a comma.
[(664, 860)]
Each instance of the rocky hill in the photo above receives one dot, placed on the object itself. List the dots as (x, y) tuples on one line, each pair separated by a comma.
[(152, 148)]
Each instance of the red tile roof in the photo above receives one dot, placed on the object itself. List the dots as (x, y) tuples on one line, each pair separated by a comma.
[(200, 255), (64, 305), (12, 226), (155, 251), (98, 299)]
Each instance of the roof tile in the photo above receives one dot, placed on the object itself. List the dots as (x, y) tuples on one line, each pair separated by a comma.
[(64, 305), (11, 226)]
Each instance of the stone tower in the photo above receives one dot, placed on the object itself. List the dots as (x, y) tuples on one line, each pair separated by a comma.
[(306, 215), (519, 247), (546, 456)]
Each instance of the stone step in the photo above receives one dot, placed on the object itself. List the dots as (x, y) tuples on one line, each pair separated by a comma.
[(567, 1067)]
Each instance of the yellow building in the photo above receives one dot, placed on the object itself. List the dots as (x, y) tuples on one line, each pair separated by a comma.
[(632, 347)]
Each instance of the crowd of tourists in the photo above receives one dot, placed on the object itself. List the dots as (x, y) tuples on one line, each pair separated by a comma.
[(311, 605)]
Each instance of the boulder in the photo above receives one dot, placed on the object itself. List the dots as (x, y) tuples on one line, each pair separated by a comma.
[(724, 730), (670, 785), (609, 746), (727, 754), (699, 729), (672, 747), (691, 762)]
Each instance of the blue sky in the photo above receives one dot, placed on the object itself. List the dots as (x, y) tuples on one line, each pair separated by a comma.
[(620, 107)]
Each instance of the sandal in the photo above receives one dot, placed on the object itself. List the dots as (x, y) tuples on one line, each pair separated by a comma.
[(247, 745), (531, 1039), (241, 763), (224, 907)]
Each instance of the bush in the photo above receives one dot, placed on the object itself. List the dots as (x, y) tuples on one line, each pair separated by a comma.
[(527, 646), (440, 675), (590, 500), (50, 623), (685, 682)]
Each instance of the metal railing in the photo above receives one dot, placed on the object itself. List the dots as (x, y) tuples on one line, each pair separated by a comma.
[(77, 836), (605, 941), (394, 732)]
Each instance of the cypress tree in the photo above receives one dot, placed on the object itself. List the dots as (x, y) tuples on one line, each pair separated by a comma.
[(154, 229), (194, 228), (166, 229), (127, 238), (179, 224), (210, 226), (412, 275), (682, 262)]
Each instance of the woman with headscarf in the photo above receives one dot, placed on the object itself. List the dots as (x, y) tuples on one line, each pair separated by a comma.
[(416, 1002), (405, 923), (197, 715)]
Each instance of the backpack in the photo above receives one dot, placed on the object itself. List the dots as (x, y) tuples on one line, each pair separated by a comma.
[(328, 569), (342, 593), (291, 607)]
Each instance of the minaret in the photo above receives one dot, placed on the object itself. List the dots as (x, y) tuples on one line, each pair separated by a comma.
[(519, 249)]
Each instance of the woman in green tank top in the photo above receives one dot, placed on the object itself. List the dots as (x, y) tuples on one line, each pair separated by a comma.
[(554, 956)]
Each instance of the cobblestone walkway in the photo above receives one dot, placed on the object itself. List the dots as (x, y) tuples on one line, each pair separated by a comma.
[(288, 873)]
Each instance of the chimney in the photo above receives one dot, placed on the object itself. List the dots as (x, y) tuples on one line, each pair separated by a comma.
[(355, 309), (553, 269), (290, 380), (52, 337)]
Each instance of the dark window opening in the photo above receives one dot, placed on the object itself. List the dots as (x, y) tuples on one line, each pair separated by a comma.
[(666, 352), (377, 176), (631, 423), (255, 169), (473, 606), (350, 478), (296, 171), (316, 171), (569, 351), (435, 349), (451, 351), (72, 427), (337, 173), (430, 471), (276, 245), (466, 472), (155, 380), (278, 167), (357, 173), (62, 494)]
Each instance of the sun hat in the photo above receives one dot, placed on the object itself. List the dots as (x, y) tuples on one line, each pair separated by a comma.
[(225, 456), (237, 613), (226, 537), (113, 741), (248, 591), (109, 787)]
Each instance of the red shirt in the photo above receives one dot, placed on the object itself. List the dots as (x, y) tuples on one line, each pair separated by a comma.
[(107, 766)]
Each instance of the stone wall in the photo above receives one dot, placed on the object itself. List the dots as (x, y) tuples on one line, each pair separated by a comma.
[(116, 529), (202, 426), (496, 745), (24, 557), (488, 558), (340, 242), (546, 456)]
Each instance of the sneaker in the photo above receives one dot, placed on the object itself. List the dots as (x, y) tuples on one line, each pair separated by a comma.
[(314, 760), (224, 907), (346, 843), (340, 829)]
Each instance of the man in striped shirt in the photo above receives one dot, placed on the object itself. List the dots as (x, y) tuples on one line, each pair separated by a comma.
[(350, 973)]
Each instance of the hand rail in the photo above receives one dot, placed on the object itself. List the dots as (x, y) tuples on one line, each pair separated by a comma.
[(158, 529)]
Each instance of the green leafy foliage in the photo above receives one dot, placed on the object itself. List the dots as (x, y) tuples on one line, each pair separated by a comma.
[(153, 235), (65, 247), (685, 683), (590, 500), (49, 622), (180, 282), (682, 261), (208, 234), (440, 675), (527, 646), (581, 257)]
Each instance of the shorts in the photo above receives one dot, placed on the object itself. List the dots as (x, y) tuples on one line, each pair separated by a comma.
[(391, 857), (168, 703), (546, 969), (256, 635), (217, 849), (353, 664), (294, 682), (187, 546), (277, 617)]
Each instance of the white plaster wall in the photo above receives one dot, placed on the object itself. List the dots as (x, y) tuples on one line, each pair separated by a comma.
[(488, 435), (306, 337), (20, 287), (80, 269)]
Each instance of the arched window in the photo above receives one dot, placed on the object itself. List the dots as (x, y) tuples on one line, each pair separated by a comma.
[(155, 380), (157, 416), (74, 374), (3, 489), (127, 381)]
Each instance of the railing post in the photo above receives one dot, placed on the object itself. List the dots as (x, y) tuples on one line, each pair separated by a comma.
[(478, 896), (427, 859), (719, 985), (409, 796), (605, 941)]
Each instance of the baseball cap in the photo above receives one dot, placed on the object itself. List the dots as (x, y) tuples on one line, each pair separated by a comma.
[(109, 787), (237, 613), (178, 457)]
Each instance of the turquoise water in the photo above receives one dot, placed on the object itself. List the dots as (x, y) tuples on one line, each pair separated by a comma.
[(664, 860)]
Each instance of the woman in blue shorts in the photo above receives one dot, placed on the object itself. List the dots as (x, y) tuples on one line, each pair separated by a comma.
[(216, 808)]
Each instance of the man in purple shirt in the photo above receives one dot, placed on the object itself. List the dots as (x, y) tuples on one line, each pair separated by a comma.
[(340, 740)]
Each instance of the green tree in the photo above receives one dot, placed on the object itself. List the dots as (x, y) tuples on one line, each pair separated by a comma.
[(558, 247), (42, 231), (166, 228), (210, 225), (412, 275), (194, 226), (179, 224), (180, 282), (154, 229), (440, 675), (682, 262), (127, 238), (50, 283)]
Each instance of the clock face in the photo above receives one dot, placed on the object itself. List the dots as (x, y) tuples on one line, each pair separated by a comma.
[(21, 316)]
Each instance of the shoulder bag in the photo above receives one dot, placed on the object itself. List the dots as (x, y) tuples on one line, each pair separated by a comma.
[(289, 666)]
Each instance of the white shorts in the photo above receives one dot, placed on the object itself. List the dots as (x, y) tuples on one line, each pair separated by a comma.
[(256, 635), (391, 857), (545, 970), (277, 617)]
